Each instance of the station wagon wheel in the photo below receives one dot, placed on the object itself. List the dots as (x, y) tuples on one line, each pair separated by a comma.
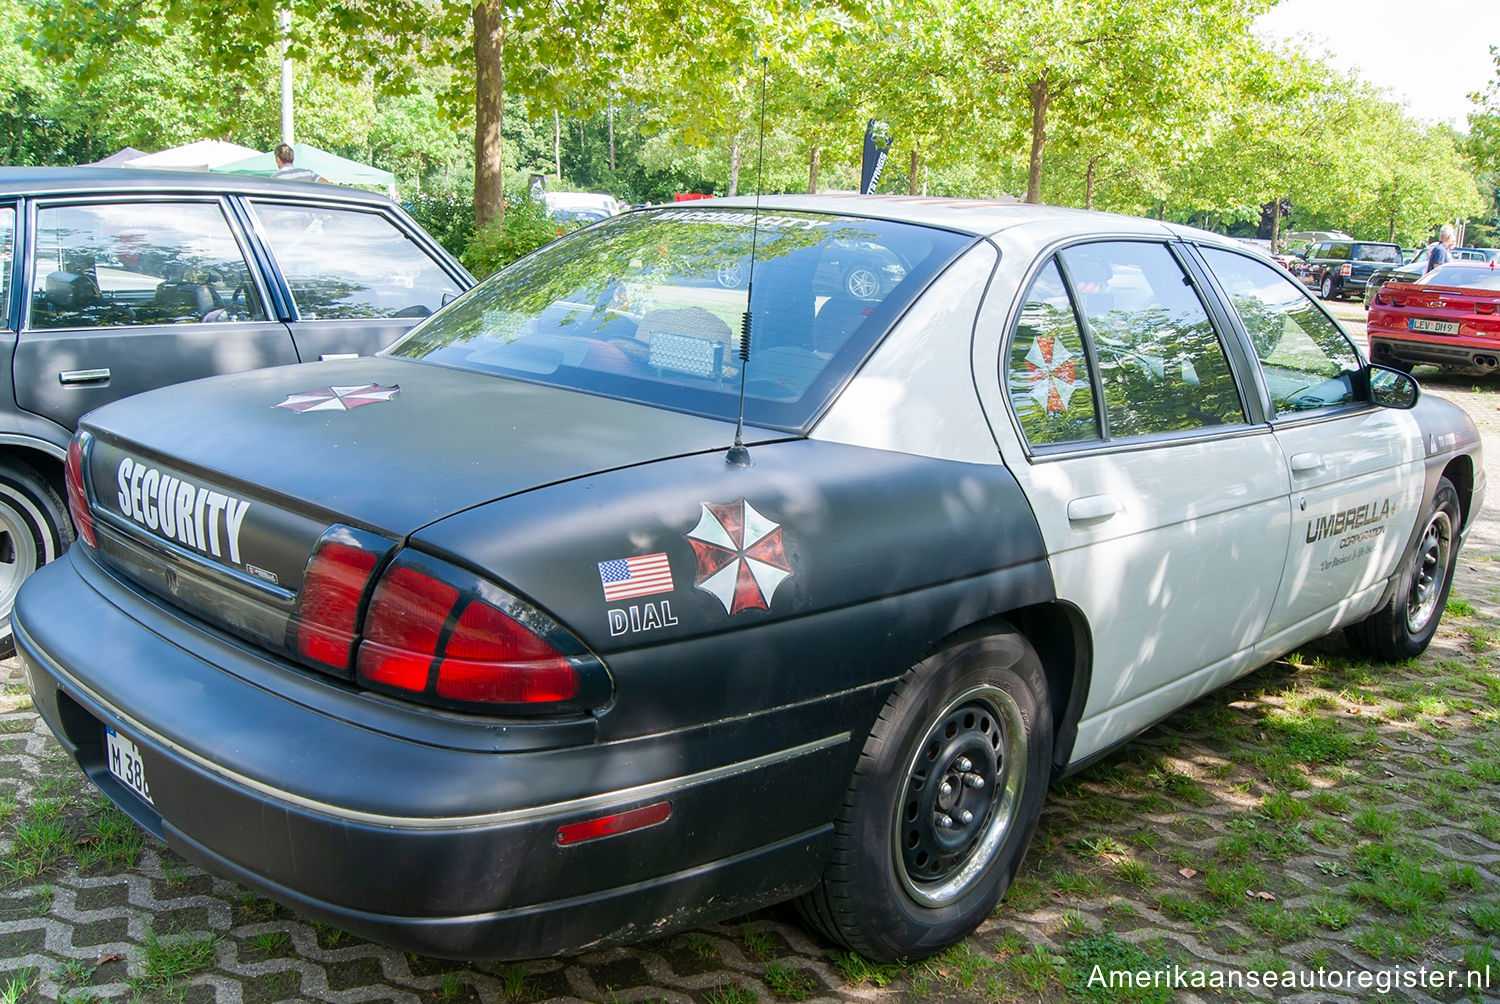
[(34, 529), (1404, 626), (1327, 288), (943, 802)]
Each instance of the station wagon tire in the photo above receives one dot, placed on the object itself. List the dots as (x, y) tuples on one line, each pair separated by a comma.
[(1326, 290), (34, 529), (1403, 627), (943, 802)]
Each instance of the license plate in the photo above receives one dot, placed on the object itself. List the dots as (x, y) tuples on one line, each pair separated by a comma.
[(1433, 327), (125, 763)]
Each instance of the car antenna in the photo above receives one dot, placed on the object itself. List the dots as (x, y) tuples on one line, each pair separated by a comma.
[(738, 455)]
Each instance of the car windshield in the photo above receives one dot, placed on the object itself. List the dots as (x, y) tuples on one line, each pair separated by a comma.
[(1470, 276), (648, 307), (1387, 253)]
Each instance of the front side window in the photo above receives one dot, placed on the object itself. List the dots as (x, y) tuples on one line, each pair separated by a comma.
[(1161, 367), (1306, 360), (349, 264), (649, 306), (137, 263)]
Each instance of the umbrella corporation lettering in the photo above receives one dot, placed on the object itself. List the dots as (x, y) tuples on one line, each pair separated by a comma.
[(204, 519), (1354, 527), (740, 562)]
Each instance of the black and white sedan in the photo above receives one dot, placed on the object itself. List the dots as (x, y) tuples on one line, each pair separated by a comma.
[(509, 642)]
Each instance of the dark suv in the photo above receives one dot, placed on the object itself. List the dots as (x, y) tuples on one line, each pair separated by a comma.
[(1342, 267), (113, 282)]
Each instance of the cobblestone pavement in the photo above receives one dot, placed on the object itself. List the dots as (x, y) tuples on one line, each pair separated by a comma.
[(1320, 815)]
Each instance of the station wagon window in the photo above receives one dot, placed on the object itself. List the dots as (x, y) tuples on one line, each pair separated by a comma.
[(1385, 253), (1161, 367), (1050, 387), (138, 263), (7, 254), (347, 264), (1305, 359), (1336, 251)]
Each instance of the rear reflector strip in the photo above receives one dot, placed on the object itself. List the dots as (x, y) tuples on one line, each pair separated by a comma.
[(609, 826)]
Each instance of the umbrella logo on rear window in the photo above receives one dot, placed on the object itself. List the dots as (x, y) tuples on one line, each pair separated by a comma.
[(339, 398)]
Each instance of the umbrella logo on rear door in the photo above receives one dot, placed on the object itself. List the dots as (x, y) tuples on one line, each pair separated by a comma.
[(338, 398)]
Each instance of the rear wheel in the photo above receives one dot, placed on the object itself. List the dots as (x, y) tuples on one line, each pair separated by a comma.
[(34, 529), (1404, 627), (1326, 290), (943, 802)]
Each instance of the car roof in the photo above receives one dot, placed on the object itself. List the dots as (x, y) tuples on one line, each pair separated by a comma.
[(17, 181), (979, 217)]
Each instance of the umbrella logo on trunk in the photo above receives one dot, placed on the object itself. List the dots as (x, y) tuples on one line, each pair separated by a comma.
[(740, 556), (339, 398)]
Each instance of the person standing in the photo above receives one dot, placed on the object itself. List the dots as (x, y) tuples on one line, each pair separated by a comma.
[(287, 171), (1439, 252)]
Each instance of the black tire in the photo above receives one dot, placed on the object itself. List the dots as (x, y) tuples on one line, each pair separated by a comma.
[(34, 529), (968, 730), (1404, 627), (1326, 290)]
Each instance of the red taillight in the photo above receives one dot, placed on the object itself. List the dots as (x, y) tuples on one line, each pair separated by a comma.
[(1346, 269), (78, 499), (406, 621), (332, 588), (1484, 308), (442, 635)]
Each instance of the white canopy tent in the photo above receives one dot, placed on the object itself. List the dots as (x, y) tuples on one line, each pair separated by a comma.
[(199, 156)]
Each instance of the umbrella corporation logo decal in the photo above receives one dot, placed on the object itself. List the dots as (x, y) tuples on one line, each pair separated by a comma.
[(339, 398), (740, 561)]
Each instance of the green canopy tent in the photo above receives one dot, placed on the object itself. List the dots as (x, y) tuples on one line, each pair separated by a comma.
[(339, 170)]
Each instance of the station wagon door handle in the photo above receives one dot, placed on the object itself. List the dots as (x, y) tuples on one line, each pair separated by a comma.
[(1303, 463), (1093, 507), (67, 377)]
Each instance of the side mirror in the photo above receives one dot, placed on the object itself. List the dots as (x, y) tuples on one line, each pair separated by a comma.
[(1393, 389)]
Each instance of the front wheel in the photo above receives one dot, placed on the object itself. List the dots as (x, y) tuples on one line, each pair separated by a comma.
[(1404, 627), (34, 529), (1326, 290), (943, 802)]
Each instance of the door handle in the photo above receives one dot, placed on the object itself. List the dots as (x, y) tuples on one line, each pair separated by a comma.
[(1302, 463), (83, 376), (1093, 507)]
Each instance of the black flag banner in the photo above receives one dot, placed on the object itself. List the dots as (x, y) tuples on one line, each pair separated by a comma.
[(877, 148)]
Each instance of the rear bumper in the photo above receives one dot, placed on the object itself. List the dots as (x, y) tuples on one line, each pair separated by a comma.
[(446, 845), (1412, 348)]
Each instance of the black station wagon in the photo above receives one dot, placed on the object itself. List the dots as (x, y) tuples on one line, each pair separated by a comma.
[(113, 282)]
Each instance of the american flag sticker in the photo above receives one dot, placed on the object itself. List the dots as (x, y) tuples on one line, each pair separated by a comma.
[(643, 575)]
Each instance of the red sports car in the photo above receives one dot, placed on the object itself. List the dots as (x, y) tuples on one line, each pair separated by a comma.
[(1448, 318)]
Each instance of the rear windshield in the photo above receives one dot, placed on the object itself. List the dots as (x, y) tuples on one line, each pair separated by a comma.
[(1387, 253), (1472, 276), (648, 307)]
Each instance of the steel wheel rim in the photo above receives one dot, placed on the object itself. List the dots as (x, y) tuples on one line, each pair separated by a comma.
[(1429, 572), (18, 556), (939, 863)]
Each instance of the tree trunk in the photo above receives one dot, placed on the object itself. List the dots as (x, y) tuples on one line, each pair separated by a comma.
[(1275, 225), (1088, 184), (814, 162), (489, 112), (912, 186), (611, 132), (734, 165), (1040, 96), (557, 143)]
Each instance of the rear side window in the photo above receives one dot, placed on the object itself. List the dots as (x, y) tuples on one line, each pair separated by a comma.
[(348, 264), (136, 263), (7, 255), (1306, 361), (1112, 342), (1383, 253)]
